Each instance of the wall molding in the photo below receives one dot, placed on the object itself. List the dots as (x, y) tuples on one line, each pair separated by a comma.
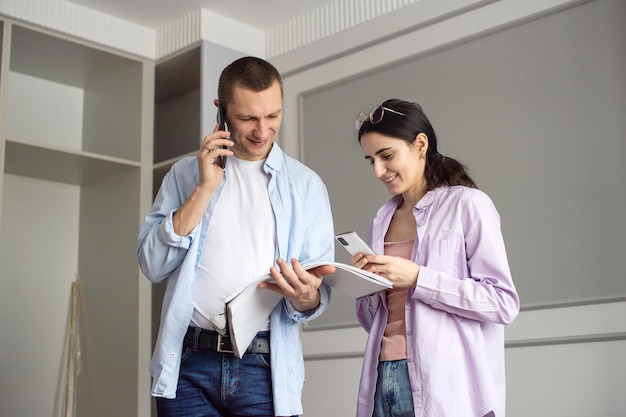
[(202, 24), (99, 28), (83, 23), (573, 303), (591, 323), (205, 25), (440, 31), (507, 345), (609, 337), (326, 21), (397, 22)]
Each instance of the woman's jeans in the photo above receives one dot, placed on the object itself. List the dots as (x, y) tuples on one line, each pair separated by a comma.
[(394, 397), (215, 384)]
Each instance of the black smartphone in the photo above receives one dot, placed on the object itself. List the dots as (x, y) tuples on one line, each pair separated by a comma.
[(221, 120)]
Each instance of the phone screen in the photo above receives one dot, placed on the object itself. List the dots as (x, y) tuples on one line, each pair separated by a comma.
[(221, 120)]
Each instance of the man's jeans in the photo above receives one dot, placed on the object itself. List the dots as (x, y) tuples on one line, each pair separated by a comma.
[(394, 397), (214, 384)]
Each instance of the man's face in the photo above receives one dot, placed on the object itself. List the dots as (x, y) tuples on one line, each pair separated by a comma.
[(254, 121)]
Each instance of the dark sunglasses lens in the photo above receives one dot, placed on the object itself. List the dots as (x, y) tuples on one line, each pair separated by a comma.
[(376, 115)]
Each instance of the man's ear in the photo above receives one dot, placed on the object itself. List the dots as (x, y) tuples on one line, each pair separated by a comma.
[(216, 102)]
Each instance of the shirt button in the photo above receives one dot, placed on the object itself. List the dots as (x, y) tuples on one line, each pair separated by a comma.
[(173, 354)]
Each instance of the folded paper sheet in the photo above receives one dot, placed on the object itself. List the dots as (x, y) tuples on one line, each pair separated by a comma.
[(247, 310)]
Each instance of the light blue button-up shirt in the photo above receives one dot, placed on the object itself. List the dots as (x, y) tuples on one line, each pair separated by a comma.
[(456, 313), (304, 230)]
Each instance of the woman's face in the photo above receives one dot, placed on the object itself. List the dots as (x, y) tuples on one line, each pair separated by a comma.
[(396, 162)]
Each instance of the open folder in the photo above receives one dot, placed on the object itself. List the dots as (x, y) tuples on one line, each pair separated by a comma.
[(248, 309)]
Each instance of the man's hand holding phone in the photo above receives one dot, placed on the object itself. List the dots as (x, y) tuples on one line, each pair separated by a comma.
[(214, 146), (210, 177)]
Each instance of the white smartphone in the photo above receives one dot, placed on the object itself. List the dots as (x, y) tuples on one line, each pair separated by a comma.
[(353, 243)]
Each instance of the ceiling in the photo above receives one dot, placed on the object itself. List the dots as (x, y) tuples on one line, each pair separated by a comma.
[(262, 14)]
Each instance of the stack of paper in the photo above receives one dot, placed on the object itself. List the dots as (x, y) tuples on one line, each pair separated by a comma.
[(248, 309)]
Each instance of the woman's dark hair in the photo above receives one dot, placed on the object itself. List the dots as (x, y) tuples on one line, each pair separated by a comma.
[(440, 170), (248, 72)]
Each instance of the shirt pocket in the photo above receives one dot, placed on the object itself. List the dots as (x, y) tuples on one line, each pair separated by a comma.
[(444, 251)]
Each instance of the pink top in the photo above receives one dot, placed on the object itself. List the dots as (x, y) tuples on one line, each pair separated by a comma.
[(393, 344)]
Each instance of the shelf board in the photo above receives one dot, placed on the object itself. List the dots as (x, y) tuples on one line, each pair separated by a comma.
[(56, 164), (48, 57), (169, 162)]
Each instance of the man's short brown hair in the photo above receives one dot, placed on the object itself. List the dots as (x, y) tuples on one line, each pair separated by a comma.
[(250, 73)]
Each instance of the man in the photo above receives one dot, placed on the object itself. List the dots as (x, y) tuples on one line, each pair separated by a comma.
[(212, 231)]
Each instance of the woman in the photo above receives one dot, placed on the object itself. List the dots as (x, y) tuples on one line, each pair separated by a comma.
[(436, 340)]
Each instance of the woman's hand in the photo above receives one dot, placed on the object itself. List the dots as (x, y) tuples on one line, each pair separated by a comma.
[(401, 272)]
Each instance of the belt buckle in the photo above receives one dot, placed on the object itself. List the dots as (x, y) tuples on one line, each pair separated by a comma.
[(220, 344)]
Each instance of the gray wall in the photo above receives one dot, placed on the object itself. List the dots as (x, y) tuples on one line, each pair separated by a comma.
[(538, 114)]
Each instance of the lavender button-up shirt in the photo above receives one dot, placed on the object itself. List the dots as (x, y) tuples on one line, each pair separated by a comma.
[(455, 315)]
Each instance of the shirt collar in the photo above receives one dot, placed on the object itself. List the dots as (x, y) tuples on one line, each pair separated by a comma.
[(274, 160), (429, 198)]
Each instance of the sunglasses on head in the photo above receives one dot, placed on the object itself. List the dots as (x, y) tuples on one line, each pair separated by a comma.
[(374, 116)]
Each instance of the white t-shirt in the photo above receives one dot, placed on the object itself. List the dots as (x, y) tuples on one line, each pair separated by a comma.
[(241, 239)]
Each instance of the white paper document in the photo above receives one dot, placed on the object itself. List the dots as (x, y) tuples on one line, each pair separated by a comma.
[(248, 309), (246, 312), (352, 281)]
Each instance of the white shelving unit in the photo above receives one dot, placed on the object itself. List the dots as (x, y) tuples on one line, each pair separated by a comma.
[(185, 87), (177, 110), (86, 135), (73, 130)]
